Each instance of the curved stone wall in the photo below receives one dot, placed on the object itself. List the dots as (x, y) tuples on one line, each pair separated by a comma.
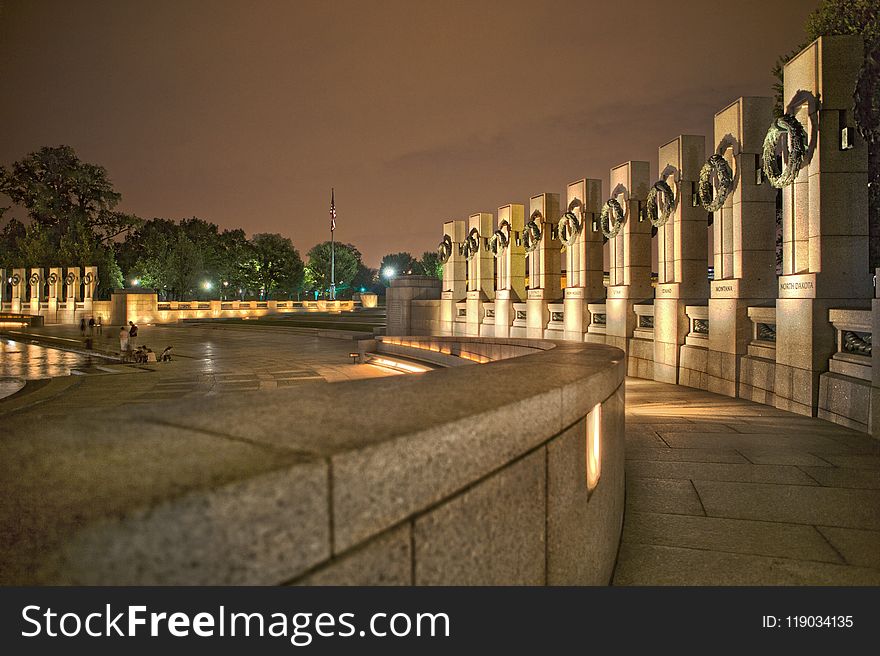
[(464, 475)]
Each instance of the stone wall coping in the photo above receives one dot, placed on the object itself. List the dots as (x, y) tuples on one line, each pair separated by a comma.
[(762, 314), (697, 311), (850, 319), (260, 487)]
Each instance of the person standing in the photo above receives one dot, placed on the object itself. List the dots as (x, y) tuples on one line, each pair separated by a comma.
[(82, 327), (123, 340), (100, 325), (132, 334), (91, 326)]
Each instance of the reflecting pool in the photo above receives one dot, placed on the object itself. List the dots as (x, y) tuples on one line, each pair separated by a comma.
[(20, 362)]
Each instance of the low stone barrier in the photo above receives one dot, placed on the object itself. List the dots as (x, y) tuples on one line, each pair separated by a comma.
[(511, 472)]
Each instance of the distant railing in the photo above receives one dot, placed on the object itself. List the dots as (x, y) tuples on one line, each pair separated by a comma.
[(598, 318), (854, 336), (763, 343), (644, 321), (698, 320)]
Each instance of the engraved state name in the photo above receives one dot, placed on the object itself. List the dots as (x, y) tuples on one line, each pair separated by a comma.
[(796, 285)]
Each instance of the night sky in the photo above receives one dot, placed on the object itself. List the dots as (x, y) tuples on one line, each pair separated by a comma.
[(246, 113)]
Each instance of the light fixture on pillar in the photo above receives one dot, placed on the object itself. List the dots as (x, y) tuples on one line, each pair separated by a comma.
[(594, 447), (516, 238), (641, 211), (847, 136), (695, 195), (759, 170), (847, 133)]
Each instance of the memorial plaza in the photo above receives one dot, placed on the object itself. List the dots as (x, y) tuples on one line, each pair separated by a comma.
[(575, 401)]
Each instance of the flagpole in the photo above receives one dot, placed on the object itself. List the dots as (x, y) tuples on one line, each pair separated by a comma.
[(332, 246)]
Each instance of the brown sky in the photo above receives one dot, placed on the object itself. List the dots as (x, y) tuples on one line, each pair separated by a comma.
[(246, 113)]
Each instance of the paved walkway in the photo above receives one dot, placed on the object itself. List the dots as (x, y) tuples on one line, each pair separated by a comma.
[(723, 491), (207, 360)]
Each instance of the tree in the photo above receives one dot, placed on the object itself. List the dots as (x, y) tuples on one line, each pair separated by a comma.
[(58, 189), (318, 269), (10, 237), (861, 17), (71, 207), (367, 280), (274, 265), (430, 265), (396, 264)]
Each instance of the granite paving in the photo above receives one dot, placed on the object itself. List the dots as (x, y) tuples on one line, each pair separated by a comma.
[(724, 491), (208, 360)]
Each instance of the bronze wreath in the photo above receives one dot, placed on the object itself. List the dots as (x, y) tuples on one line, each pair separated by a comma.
[(656, 216), (532, 232), (569, 228), (472, 244), (444, 249), (724, 177), (797, 148), (611, 207)]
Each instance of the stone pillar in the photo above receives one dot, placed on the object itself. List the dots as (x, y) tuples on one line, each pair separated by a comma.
[(824, 219), (744, 241), (544, 263), (682, 252), (480, 270), (399, 297), (454, 275), (511, 283), (56, 291), (19, 289), (72, 290), (36, 279), (630, 250), (583, 258), (90, 284)]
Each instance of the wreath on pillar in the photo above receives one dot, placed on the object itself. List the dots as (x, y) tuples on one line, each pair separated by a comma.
[(797, 148), (35, 279), (88, 278), (472, 244), (53, 278), (718, 166), (569, 227), (532, 232), (657, 216), (70, 278), (500, 239), (444, 249), (15, 279), (611, 219)]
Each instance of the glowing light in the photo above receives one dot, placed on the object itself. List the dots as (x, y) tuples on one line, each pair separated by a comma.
[(207, 284), (594, 447), (135, 282), (395, 364), (388, 272)]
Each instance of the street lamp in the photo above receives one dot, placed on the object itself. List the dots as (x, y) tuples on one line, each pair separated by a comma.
[(389, 272)]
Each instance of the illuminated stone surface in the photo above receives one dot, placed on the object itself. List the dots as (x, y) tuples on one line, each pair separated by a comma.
[(724, 491)]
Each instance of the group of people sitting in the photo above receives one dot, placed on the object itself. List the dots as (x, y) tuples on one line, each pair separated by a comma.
[(143, 353)]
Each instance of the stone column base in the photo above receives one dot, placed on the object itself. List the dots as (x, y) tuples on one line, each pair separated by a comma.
[(538, 318)]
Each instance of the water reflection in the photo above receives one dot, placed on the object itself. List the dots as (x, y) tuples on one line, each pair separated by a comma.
[(30, 361)]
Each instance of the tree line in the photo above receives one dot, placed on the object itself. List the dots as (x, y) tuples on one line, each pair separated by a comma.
[(72, 220)]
